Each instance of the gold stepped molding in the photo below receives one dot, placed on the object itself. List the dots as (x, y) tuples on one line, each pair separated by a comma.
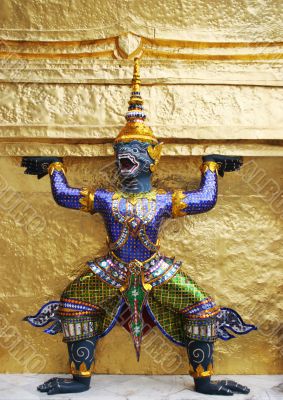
[(107, 133), (155, 72), (19, 148), (128, 45)]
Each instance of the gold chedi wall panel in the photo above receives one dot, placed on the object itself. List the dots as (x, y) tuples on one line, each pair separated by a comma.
[(234, 251), (212, 83), (249, 20), (96, 111)]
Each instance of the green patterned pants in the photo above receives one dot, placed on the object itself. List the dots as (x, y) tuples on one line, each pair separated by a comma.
[(180, 308)]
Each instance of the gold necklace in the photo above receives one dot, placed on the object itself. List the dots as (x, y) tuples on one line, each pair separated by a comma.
[(133, 198)]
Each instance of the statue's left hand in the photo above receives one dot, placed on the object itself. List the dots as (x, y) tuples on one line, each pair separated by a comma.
[(226, 163), (38, 165)]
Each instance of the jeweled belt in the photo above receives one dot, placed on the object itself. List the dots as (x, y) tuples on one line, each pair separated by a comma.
[(154, 271)]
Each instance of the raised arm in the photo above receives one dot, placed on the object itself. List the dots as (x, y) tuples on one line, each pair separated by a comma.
[(66, 196), (63, 194), (205, 197)]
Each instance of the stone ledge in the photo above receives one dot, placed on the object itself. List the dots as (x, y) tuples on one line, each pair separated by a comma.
[(122, 387), (105, 133), (154, 72), (170, 149)]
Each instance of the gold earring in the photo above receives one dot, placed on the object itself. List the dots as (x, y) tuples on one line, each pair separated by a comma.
[(152, 167)]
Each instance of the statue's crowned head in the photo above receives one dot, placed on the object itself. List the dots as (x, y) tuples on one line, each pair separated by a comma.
[(137, 149)]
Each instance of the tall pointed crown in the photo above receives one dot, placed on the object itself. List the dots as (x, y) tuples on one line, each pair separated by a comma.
[(135, 128)]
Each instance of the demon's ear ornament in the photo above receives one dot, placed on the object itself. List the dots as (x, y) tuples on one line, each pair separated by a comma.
[(155, 153)]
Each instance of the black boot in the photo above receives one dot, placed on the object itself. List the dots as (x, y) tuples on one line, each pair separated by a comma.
[(81, 354), (201, 368)]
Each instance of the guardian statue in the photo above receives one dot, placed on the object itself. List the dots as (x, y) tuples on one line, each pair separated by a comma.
[(134, 276)]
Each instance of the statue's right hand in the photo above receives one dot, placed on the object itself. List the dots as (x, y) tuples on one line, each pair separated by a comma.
[(38, 165)]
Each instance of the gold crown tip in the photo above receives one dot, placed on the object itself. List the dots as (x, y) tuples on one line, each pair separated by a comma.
[(136, 77), (136, 74)]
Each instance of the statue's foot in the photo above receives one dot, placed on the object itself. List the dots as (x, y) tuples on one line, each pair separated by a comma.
[(62, 385), (224, 388)]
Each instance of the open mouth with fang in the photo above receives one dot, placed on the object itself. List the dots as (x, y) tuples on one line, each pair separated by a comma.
[(127, 163)]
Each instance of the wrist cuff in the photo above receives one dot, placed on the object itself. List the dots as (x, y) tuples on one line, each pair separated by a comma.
[(211, 166), (56, 166)]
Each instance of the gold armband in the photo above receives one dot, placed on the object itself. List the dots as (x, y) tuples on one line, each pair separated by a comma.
[(56, 166), (178, 204), (211, 166), (87, 200)]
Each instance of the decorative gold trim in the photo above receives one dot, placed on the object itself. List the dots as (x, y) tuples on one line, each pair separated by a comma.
[(136, 267), (155, 54), (200, 372), (178, 204), (155, 153), (136, 53), (211, 57), (206, 314), (124, 287), (169, 277), (147, 286), (164, 273), (156, 245), (48, 56), (125, 263), (209, 165), (56, 166), (136, 83), (82, 371), (145, 48), (134, 197), (105, 271), (158, 42), (161, 191), (99, 277), (112, 245), (87, 200), (136, 131), (58, 43), (193, 44)]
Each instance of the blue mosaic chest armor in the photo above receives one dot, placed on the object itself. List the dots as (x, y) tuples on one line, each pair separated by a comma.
[(133, 222)]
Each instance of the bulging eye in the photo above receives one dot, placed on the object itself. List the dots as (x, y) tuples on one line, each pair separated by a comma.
[(135, 150)]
